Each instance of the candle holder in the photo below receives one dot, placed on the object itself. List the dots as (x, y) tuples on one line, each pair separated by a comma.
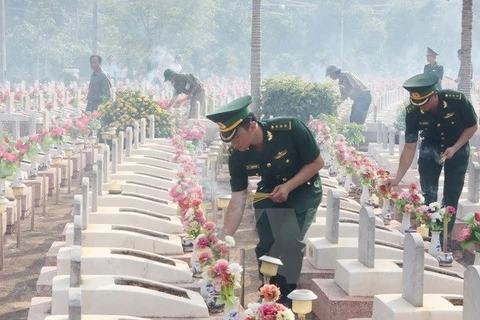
[(9, 194), (80, 145), (269, 267), (92, 140), (57, 160), (68, 152), (3, 204), (106, 135), (302, 302), (115, 187)]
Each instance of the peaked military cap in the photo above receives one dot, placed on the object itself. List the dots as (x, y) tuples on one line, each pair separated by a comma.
[(331, 69), (230, 116), (168, 73), (430, 51), (421, 87)]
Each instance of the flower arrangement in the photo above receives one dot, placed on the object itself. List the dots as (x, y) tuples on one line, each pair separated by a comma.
[(471, 234), (225, 277), (381, 183), (44, 140), (268, 309), (194, 133), (366, 171), (130, 106), (351, 162), (340, 149), (434, 214), (321, 131), (214, 248), (8, 161), (409, 200), (57, 133)]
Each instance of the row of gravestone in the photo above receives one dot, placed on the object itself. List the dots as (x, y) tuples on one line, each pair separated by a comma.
[(137, 188), (372, 284)]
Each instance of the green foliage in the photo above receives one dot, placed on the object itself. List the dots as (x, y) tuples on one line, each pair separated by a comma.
[(400, 116), (131, 106), (352, 132), (291, 96)]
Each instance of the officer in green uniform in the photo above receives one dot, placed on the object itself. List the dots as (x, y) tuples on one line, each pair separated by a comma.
[(187, 84), (447, 121), (284, 153), (433, 67)]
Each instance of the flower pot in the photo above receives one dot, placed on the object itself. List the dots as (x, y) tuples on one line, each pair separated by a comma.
[(187, 244), (435, 247), (445, 259), (365, 195), (231, 312), (211, 296), (386, 211), (348, 182), (195, 265), (405, 222)]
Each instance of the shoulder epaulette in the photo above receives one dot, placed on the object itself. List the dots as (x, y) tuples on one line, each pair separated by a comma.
[(453, 95), (409, 108), (280, 126)]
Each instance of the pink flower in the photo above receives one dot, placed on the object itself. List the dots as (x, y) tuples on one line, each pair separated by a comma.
[(465, 233), (205, 256), (268, 311), (270, 293), (477, 217), (202, 242), (209, 226)]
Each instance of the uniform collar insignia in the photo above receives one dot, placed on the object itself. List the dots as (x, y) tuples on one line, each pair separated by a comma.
[(444, 104), (448, 115), (269, 136)]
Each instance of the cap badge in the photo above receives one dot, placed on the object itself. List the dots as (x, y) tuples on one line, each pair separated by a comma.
[(415, 95)]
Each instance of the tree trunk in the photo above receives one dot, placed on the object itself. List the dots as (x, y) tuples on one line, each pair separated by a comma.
[(255, 63), (465, 84)]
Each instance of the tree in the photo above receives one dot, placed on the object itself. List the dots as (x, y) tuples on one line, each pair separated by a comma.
[(255, 64), (465, 84)]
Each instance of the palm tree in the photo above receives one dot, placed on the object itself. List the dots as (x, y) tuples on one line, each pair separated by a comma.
[(255, 63), (465, 84)]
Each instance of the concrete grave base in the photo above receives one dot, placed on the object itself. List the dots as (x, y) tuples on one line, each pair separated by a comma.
[(334, 304), (435, 307), (114, 295), (323, 255)]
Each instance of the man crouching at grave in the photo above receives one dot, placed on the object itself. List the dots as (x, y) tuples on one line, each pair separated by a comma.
[(447, 121), (285, 154)]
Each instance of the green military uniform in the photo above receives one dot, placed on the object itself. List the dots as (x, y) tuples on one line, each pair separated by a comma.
[(435, 69), (184, 84), (439, 131), (288, 145)]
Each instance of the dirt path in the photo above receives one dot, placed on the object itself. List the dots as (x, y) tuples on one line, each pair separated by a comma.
[(22, 266)]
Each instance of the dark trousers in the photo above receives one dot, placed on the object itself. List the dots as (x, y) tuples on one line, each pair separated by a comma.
[(281, 233), (360, 107), (197, 97), (454, 174)]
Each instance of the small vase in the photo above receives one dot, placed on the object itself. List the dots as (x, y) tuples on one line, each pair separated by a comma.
[(195, 265), (386, 211), (211, 296), (187, 244), (405, 222), (365, 195), (348, 182), (231, 313), (435, 247), (445, 259)]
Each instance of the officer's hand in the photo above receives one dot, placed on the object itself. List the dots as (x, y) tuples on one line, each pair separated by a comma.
[(280, 193), (392, 183), (449, 152)]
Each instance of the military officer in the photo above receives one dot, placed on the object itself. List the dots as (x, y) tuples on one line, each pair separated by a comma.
[(433, 67), (284, 153), (447, 121), (187, 84)]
